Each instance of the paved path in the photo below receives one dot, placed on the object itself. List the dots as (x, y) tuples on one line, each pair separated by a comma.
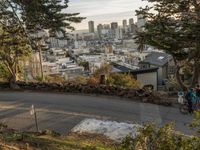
[(62, 112)]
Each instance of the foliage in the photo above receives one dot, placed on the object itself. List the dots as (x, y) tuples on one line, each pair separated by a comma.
[(53, 141), (40, 14), (13, 48), (85, 64), (172, 85), (164, 138), (93, 80), (4, 73), (174, 27), (103, 70), (54, 79), (33, 16), (81, 80), (124, 80), (196, 122), (38, 78)]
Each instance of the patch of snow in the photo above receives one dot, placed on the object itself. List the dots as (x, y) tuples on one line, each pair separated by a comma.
[(113, 130)]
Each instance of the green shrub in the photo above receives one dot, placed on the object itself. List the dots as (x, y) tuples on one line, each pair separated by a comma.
[(4, 73), (165, 138), (54, 79), (124, 80), (104, 69), (80, 80), (38, 78)]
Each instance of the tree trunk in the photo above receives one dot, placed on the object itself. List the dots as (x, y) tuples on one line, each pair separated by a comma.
[(41, 66), (13, 84), (195, 76), (14, 78), (194, 81), (179, 80)]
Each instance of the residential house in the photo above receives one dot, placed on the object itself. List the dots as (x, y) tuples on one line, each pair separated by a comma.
[(164, 63), (148, 76)]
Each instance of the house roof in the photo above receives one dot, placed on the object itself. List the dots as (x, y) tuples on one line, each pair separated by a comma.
[(122, 69), (158, 58)]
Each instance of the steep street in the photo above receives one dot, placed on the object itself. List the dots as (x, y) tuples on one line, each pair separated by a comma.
[(62, 112)]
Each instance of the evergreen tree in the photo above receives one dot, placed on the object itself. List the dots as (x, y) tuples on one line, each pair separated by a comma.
[(13, 49), (174, 26), (38, 15)]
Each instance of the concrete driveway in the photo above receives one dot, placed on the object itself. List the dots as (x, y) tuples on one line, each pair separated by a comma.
[(62, 112)]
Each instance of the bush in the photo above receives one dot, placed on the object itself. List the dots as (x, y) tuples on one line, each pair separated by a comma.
[(38, 78), (80, 80), (104, 69), (50, 79), (164, 138), (93, 80), (54, 79), (124, 80)]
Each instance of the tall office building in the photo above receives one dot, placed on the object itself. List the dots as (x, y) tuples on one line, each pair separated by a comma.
[(119, 33), (99, 30), (91, 26), (106, 26), (124, 23), (131, 21), (114, 25), (133, 29)]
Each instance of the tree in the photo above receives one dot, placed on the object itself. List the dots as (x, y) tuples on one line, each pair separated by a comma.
[(4, 74), (85, 64), (37, 15), (13, 49), (105, 69), (174, 26), (140, 40)]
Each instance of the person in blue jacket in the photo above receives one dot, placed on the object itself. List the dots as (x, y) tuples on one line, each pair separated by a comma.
[(190, 97)]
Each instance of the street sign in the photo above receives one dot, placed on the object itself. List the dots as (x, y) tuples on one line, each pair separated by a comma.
[(180, 97), (32, 111)]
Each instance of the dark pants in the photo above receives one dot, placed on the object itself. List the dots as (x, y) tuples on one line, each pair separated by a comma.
[(190, 106)]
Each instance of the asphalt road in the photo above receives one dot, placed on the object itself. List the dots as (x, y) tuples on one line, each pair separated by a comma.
[(61, 112)]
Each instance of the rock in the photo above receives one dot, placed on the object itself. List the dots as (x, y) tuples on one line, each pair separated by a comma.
[(14, 86), (122, 93), (69, 87)]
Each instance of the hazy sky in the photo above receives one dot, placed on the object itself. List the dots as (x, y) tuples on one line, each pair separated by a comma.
[(104, 11)]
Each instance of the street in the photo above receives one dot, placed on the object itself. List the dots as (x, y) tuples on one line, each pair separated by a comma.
[(61, 112)]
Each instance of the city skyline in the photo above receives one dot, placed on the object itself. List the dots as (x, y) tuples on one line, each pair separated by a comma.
[(112, 11)]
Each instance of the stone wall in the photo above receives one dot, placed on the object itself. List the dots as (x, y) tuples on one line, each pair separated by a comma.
[(132, 94)]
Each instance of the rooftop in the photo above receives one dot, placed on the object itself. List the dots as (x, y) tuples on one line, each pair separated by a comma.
[(158, 58), (122, 69)]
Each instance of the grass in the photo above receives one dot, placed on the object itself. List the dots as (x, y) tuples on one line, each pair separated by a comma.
[(12, 140)]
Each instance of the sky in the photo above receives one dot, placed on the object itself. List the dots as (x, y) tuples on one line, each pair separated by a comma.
[(104, 11)]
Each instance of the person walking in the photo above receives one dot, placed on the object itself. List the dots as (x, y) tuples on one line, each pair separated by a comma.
[(198, 94), (189, 98), (194, 99)]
